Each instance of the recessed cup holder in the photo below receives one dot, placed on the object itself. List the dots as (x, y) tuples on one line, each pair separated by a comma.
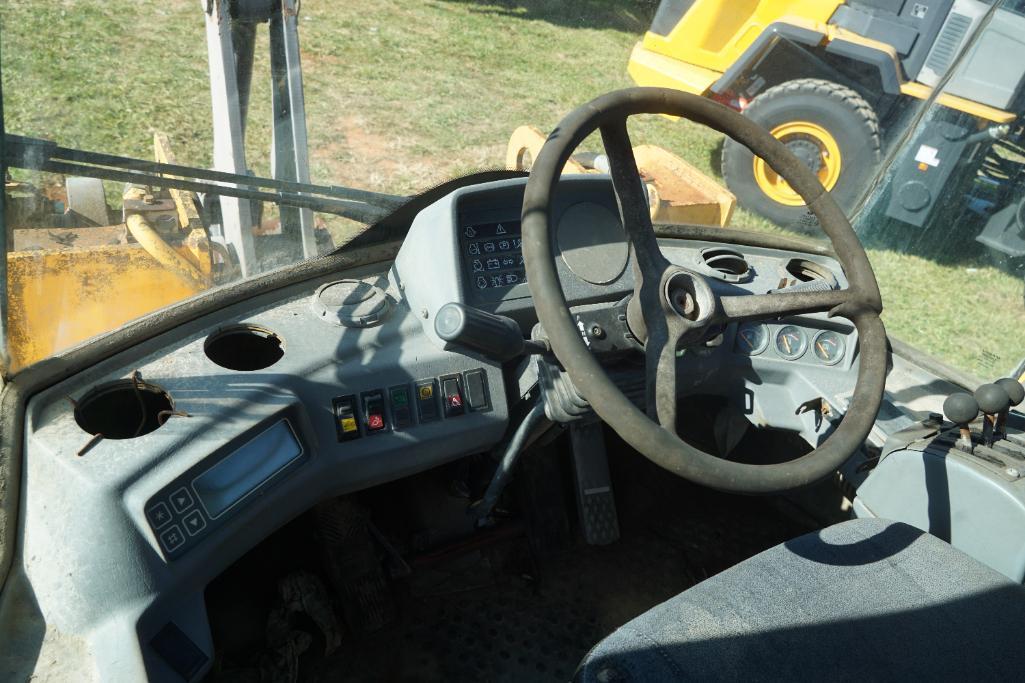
[(244, 348), (123, 409)]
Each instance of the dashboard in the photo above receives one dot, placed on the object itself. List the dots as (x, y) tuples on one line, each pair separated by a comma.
[(253, 414)]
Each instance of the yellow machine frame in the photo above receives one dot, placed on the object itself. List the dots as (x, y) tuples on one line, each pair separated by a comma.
[(714, 34)]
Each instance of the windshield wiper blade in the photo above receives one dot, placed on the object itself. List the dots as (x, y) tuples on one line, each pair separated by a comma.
[(44, 155)]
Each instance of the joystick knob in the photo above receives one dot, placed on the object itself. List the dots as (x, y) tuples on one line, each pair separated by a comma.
[(993, 401), (1015, 391), (1015, 394), (992, 398), (961, 409)]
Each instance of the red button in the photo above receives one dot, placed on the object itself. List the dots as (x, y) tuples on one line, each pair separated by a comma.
[(375, 421), (455, 400)]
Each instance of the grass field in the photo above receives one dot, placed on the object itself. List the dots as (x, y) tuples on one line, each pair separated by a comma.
[(402, 94)]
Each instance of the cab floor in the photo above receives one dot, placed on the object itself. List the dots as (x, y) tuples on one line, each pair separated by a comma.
[(479, 619), (510, 605)]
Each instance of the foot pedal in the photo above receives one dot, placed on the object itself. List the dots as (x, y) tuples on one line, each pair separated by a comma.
[(352, 565), (595, 500)]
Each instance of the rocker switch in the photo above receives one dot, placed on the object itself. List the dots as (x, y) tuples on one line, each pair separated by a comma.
[(476, 386), (452, 396), (373, 410)]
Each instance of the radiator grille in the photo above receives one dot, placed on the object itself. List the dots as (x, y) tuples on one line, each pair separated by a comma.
[(948, 43)]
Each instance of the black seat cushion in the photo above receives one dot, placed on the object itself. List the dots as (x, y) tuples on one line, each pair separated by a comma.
[(863, 600)]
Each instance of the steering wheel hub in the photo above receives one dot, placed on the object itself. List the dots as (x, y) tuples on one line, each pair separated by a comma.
[(688, 295)]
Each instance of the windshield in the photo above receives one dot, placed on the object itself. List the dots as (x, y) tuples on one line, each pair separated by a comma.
[(300, 126)]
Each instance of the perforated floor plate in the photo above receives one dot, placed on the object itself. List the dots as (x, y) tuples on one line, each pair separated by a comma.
[(521, 629)]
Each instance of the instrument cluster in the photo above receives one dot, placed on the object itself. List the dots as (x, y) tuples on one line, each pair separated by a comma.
[(791, 342)]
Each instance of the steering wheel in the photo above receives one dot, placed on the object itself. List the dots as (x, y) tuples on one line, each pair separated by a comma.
[(673, 306)]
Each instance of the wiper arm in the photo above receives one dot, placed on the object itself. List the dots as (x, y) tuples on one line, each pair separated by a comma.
[(43, 155)]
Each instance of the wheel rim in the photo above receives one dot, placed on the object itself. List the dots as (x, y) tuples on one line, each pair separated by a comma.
[(814, 145)]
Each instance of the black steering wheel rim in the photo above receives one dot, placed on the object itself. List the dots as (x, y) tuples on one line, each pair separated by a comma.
[(860, 303)]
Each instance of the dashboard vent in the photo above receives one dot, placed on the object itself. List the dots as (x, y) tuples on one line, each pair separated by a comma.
[(726, 264), (803, 275)]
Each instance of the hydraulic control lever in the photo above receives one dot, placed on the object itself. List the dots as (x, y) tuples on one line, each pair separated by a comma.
[(961, 409), (1016, 393), (495, 336), (994, 401)]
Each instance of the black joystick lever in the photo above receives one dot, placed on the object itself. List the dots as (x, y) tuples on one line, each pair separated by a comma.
[(1016, 393), (495, 336), (961, 409), (993, 401)]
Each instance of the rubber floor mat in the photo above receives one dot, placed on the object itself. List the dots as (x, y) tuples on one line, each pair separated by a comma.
[(523, 628)]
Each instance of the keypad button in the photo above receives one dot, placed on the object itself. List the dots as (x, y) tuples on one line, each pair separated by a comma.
[(181, 500), (172, 539), (194, 522), (158, 515)]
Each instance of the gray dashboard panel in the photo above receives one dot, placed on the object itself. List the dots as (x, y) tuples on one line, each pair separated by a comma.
[(111, 574)]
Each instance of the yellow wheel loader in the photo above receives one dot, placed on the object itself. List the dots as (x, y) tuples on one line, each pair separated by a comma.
[(836, 81)]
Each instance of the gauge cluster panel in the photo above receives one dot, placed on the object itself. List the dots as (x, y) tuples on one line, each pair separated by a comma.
[(792, 342), (467, 248)]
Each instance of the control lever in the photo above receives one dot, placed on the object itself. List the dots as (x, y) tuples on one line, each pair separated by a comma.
[(1016, 393), (961, 409), (496, 336), (993, 401)]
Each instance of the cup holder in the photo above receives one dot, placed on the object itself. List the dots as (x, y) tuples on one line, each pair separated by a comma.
[(244, 348), (123, 409)]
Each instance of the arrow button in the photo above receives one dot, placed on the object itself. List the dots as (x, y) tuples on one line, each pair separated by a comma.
[(181, 500), (194, 522)]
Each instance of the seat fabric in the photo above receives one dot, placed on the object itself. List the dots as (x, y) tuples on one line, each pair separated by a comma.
[(863, 600)]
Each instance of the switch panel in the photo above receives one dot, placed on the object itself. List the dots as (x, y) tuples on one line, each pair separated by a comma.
[(404, 406), (452, 395)]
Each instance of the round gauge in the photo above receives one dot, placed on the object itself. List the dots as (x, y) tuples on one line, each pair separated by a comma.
[(829, 347), (791, 342), (752, 338)]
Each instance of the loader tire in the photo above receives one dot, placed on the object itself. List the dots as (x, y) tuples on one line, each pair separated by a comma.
[(828, 126)]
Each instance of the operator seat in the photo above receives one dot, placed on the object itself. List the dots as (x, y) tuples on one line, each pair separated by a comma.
[(867, 599)]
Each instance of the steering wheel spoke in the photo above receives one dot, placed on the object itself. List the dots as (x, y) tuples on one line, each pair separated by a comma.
[(632, 196), (759, 306), (660, 372)]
